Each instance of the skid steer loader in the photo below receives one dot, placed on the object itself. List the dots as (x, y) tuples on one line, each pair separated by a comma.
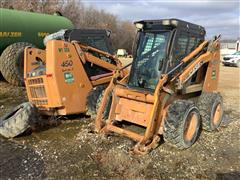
[(170, 91), (65, 78), (59, 79)]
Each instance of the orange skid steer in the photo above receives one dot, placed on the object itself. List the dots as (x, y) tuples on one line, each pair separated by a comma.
[(65, 78), (59, 79), (170, 91), (64, 85)]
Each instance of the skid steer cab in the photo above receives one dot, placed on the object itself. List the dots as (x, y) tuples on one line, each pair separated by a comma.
[(170, 91), (68, 76)]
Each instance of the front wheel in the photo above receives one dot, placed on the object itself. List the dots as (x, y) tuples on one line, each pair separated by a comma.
[(107, 106), (182, 124), (92, 100)]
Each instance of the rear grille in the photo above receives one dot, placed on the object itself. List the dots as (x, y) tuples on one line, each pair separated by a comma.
[(39, 102), (37, 91), (35, 81)]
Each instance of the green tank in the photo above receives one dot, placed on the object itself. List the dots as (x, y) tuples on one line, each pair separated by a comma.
[(20, 26), (19, 29)]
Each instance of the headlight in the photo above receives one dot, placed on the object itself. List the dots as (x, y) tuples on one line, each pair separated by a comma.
[(166, 22), (139, 25)]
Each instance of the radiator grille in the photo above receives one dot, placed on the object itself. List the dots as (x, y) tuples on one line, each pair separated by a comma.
[(37, 91), (35, 81)]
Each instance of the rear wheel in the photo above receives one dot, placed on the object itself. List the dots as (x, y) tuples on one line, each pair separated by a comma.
[(182, 124), (211, 110), (12, 63)]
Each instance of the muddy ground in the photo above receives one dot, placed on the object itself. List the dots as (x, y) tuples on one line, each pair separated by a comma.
[(70, 150)]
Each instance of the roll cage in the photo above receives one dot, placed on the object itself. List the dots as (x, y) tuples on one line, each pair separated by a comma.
[(184, 37)]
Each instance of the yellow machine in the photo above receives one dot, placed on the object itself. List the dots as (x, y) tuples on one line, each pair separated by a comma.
[(60, 79), (170, 91), (66, 78)]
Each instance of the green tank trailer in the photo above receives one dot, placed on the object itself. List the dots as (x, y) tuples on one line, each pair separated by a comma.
[(19, 29)]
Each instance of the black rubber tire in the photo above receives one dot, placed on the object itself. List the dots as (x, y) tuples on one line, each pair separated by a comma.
[(92, 100), (107, 107), (207, 104), (18, 120), (12, 62), (176, 121)]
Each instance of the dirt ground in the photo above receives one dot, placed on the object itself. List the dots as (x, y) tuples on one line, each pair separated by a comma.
[(70, 150)]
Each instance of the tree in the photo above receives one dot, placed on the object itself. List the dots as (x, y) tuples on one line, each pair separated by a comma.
[(82, 17)]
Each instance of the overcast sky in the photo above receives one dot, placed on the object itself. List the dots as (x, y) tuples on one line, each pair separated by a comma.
[(217, 16)]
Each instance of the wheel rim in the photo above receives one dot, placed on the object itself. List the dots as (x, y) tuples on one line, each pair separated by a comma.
[(217, 114), (191, 127)]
